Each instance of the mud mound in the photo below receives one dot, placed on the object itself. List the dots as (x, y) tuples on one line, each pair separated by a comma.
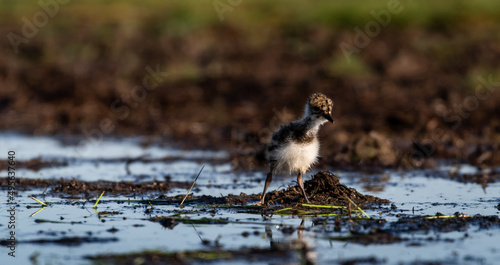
[(324, 188)]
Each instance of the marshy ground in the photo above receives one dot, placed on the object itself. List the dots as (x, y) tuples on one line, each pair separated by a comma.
[(415, 144), (437, 216)]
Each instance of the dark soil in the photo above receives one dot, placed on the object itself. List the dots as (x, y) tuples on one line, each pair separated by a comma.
[(408, 107), (423, 224), (91, 188), (380, 232), (65, 241), (278, 255), (35, 164), (323, 188), (479, 178), (374, 238)]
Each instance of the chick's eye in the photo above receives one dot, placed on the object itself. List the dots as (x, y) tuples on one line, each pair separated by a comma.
[(316, 108)]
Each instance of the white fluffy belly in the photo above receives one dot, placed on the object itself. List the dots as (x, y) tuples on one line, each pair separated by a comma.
[(295, 157)]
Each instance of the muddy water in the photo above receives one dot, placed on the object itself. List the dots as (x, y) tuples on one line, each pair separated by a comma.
[(70, 229)]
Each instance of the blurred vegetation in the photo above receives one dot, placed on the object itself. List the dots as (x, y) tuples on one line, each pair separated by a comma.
[(188, 15)]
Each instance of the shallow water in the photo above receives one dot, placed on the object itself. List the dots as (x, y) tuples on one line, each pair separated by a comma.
[(419, 192)]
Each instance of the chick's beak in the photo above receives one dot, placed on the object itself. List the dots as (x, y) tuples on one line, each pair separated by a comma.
[(328, 117)]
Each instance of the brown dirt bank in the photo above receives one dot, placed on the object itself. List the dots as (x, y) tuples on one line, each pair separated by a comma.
[(410, 95)]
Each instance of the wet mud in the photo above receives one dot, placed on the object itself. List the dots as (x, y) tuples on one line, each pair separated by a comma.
[(76, 187), (480, 178), (357, 213), (277, 254), (387, 224), (323, 188), (36, 164), (65, 241), (379, 231), (429, 229)]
